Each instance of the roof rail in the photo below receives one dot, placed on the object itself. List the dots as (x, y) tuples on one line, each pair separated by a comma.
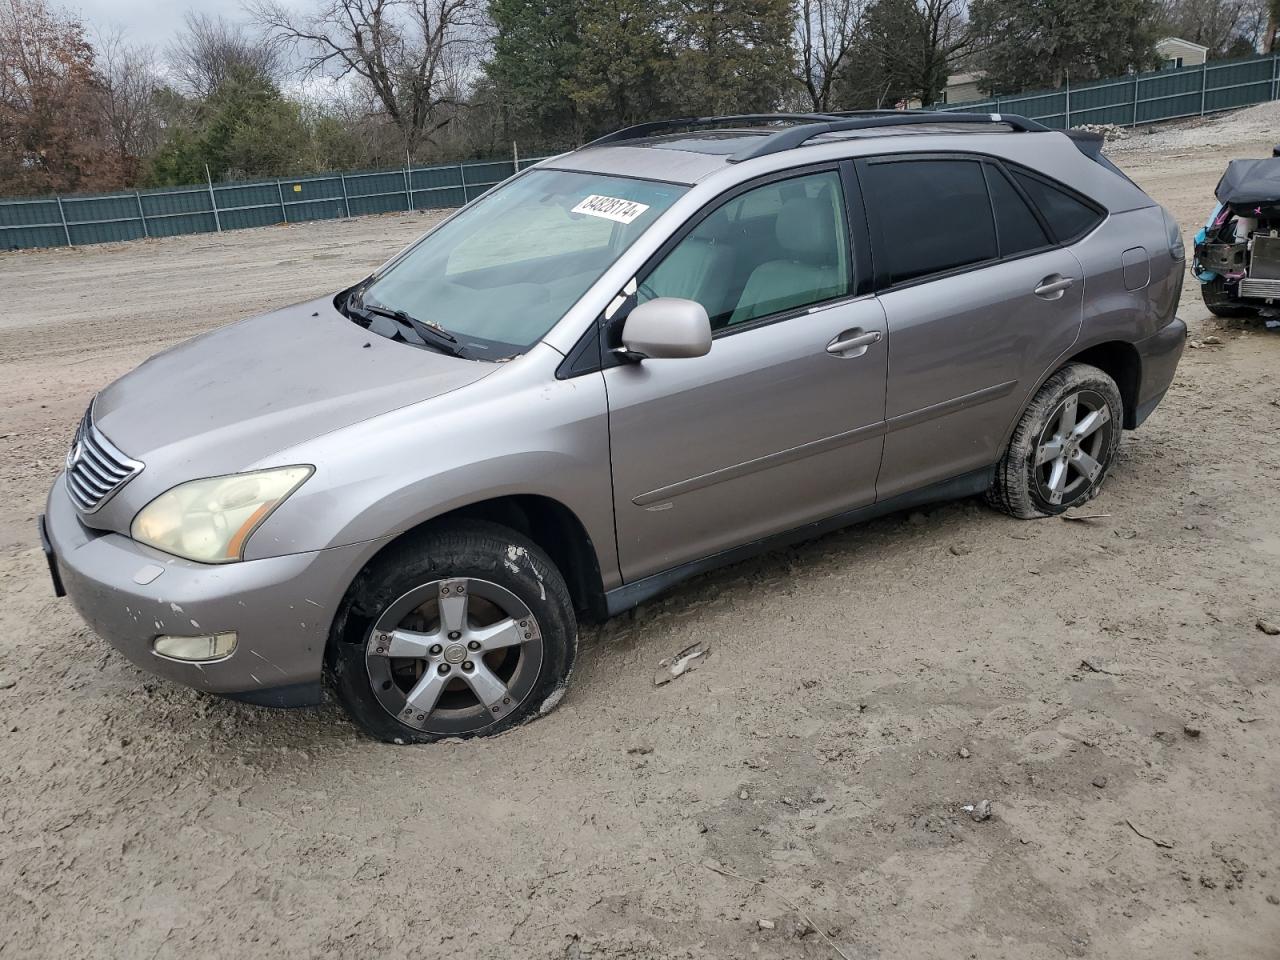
[(657, 126), (796, 136)]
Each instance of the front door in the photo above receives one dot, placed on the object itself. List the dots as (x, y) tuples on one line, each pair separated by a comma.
[(782, 422)]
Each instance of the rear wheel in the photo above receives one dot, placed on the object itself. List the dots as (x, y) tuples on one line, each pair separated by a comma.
[(465, 631), (1221, 303), (1062, 447)]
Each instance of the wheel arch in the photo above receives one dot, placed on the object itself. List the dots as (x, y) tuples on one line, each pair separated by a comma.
[(550, 524), (1119, 360)]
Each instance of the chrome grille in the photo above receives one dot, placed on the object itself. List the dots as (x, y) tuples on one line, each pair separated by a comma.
[(96, 468)]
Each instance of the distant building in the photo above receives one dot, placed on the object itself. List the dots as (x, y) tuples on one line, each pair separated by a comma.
[(1176, 52), (963, 87)]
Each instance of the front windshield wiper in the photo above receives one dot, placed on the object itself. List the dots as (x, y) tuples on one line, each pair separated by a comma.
[(427, 333)]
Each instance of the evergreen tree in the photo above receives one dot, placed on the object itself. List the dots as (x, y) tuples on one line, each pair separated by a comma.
[(905, 51), (733, 56), (623, 63), (246, 128), (534, 65), (1041, 43)]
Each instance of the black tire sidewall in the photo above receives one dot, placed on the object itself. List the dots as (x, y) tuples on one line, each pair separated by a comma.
[(471, 549), (1220, 304)]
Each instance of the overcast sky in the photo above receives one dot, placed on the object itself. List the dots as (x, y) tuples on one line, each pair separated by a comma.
[(151, 21)]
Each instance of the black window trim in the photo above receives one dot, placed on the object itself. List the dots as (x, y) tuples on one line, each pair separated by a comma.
[(600, 336), (1100, 211), (1036, 214), (882, 284)]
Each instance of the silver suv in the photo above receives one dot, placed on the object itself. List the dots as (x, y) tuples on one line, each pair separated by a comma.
[(680, 345)]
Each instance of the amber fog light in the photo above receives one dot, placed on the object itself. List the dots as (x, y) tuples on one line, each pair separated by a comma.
[(218, 646)]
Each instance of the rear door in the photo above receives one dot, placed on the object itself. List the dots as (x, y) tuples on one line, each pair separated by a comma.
[(782, 422), (979, 300)]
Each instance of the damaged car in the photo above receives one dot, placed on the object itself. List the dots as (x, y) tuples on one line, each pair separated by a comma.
[(1237, 251), (681, 345)]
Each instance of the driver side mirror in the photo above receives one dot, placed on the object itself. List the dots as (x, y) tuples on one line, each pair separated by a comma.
[(666, 329)]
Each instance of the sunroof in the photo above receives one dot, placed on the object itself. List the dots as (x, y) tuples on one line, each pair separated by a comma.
[(716, 142)]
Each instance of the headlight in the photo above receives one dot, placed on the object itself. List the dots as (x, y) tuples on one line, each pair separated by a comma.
[(210, 521)]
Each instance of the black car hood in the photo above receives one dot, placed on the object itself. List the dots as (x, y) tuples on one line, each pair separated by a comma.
[(1251, 188)]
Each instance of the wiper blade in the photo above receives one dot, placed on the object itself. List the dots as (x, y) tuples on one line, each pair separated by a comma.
[(426, 332)]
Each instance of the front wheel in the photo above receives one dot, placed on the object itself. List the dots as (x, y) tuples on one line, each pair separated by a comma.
[(1062, 447), (464, 631), (1221, 304)]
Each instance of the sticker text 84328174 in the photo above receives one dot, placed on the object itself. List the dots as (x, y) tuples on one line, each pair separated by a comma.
[(611, 208)]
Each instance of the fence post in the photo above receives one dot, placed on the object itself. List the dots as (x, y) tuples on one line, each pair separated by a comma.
[(1067, 119), (1273, 75), (462, 176), (1204, 84), (280, 192), (408, 190), (213, 199), (346, 201), (142, 215), (66, 230), (1136, 80), (515, 157)]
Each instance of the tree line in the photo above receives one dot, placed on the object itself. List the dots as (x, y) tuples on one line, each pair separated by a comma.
[(347, 84)]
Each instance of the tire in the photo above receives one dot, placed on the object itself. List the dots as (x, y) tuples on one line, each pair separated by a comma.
[(1221, 304), (465, 630), (1026, 485)]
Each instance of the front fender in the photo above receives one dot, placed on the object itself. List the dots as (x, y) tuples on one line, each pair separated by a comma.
[(518, 432)]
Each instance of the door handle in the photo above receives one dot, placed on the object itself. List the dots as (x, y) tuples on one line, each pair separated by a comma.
[(1053, 286), (847, 346)]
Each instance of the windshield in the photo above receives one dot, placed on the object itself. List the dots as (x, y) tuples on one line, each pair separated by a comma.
[(501, 273)]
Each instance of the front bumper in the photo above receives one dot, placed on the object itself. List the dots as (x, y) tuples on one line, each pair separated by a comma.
[(281, 608), (1158, 357)]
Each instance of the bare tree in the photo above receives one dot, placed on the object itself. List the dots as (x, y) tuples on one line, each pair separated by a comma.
[(129, 82), (944, 39), (51, 130), (1272, 25), (826, 32), (1218, 24), (211, 48), (412, 54)]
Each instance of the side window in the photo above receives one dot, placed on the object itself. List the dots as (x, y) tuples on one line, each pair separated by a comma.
[(1068, 218), (932, 215), (1017, 228), (778, 247)]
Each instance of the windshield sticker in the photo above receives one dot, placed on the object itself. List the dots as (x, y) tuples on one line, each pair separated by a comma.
[(611, 208)]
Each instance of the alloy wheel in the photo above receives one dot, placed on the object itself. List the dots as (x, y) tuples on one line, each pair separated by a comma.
[(454, 655), (1072, 449)]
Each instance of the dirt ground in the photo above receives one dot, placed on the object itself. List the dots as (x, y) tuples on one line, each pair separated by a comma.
[(1103, 684)]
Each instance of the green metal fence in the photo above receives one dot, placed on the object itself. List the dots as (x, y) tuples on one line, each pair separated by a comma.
[(213, 207), (1144, 97)]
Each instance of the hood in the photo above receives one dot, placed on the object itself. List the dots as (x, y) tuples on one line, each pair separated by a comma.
[(1251, 188), (225, 400)]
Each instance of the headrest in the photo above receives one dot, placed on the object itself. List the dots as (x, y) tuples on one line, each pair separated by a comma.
[(805, 227)]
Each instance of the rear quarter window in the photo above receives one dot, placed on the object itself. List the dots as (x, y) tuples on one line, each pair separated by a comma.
[(1017, 228), (1069, 217)]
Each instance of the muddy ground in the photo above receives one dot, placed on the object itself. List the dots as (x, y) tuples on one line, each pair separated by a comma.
[(861, 689)]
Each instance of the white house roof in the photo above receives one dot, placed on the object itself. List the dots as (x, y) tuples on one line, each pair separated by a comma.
[(1180, 41)]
